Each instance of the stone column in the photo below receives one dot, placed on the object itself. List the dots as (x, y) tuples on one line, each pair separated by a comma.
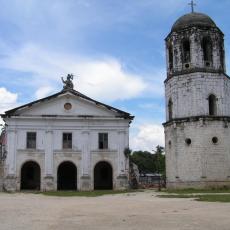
[(85, 174), (122, 179), (49, 178), (10, 182)]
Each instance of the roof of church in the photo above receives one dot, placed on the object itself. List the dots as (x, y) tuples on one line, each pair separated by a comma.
[(193, 19), (122, 114)]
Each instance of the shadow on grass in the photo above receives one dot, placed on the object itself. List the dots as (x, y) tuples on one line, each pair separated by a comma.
[(194, 191), (94, 193), (206, 197)]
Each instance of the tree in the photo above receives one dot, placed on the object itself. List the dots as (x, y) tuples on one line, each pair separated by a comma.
[(148, 162)]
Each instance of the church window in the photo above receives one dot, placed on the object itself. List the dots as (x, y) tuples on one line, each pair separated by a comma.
[(170, 109), (170, 50), (212, 105), (103, 140), (67, 106), (31, 140), (214, 140), (67, 140), (188, 141), (186, 51), (207, 50)]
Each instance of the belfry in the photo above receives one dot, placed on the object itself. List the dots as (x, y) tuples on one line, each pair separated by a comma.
[(197, 91)]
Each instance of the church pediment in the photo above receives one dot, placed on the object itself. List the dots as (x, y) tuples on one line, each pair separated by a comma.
[(67, 103)]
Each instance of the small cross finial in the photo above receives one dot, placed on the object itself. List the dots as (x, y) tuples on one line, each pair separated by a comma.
[(192, 4)]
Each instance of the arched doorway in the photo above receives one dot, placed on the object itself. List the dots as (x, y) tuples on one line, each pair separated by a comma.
[(30, 176), (67, 176), (103, 176)]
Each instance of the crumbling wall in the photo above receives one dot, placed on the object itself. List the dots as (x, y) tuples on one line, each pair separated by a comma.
[(1, 175)]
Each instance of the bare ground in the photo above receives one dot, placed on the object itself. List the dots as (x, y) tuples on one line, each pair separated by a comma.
[(133, 211)]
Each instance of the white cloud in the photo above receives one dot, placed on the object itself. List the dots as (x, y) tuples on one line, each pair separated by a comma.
[(103, 78), (44, 91), (8, 100), (148, 137)]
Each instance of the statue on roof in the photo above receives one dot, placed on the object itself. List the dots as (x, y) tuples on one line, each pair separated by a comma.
[(68, 84)]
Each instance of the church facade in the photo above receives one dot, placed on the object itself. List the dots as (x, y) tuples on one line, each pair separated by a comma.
[(197, 92), (66, 141)]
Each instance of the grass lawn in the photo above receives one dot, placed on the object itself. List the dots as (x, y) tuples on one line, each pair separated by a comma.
[(209, 195), (214, 198), (194, 191), (87, 193)]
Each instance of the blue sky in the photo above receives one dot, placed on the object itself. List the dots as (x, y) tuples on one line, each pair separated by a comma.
[(115, 48)]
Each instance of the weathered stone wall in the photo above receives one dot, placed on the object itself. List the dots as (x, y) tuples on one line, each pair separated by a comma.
[(196, 70), (201, 163), (1, 175), (195, 37), (189, 94)]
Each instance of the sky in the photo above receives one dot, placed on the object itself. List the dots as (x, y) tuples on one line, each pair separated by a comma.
[(115, 49)]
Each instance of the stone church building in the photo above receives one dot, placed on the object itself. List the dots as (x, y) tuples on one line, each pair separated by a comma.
[(66, 141), (197, 91)]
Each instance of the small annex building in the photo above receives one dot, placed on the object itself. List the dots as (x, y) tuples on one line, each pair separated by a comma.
[(66, 141)]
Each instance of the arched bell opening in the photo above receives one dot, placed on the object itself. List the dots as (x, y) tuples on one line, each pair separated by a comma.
[(207, 51), (186, 52)]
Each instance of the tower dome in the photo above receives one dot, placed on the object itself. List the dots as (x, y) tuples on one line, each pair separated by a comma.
[(193, 19), (195, 43)]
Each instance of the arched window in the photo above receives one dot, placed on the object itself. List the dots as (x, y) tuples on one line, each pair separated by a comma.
[(207, 50), (170, 109), (186, 51), (212, 105), (170, 50)]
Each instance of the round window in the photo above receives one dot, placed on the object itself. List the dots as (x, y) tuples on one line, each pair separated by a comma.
[(67, 106), (188, 141), (214, 140)]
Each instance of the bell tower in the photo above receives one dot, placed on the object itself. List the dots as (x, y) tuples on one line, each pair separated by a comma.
[(197, 93)]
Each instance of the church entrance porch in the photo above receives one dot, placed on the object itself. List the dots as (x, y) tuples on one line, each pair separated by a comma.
[(103, 176), (30, 176), (67, 176)]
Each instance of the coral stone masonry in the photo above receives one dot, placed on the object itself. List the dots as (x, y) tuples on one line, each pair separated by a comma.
[(197, 92)]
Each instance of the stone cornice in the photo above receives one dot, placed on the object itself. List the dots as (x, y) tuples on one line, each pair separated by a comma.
[(196, 118)]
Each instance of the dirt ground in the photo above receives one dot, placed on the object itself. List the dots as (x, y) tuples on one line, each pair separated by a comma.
[(133, 211)]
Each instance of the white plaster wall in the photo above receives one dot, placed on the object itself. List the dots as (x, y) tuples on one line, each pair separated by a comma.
[(114, 155)]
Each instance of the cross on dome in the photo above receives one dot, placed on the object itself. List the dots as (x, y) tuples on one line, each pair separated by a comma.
[(192, 4)]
